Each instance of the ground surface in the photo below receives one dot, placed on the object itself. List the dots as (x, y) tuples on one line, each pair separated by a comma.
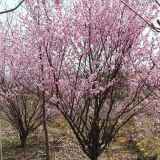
[(63, 145)]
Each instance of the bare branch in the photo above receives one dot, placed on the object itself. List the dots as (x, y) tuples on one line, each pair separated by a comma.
[(157, 3), (13, 9), (136, 13), (157, 29)]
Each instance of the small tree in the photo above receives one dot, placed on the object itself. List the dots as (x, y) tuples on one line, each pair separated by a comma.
[(23, 111)]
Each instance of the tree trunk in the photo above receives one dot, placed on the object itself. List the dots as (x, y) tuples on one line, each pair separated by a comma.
[(23, 140), (45, 128), (94, 157)]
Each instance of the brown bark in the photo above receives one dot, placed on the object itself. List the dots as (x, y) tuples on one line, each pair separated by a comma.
[(45, 128)]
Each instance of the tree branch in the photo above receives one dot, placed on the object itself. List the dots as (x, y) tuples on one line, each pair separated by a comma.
[(157, 29), (13, 9), (157, 3)]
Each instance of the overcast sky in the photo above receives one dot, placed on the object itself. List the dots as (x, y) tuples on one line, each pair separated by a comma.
[(8, 3)]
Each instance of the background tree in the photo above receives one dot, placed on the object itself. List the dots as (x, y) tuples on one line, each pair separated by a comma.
[(22, 63), (23, 112)]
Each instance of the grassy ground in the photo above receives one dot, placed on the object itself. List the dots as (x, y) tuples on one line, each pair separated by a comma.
[(64, 146)]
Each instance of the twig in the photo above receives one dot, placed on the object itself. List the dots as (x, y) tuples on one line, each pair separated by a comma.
[(157, 29)]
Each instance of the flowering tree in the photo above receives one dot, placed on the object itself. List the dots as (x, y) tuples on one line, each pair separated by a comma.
[(23, 72), (98, 89), (87, 61), (23, 112), (89, 65), (20, 90)]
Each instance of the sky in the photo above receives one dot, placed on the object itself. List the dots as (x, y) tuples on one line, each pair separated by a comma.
[(7, 4), (12, 3)]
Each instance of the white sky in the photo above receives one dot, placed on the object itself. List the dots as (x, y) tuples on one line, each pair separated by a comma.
[(8, 3)]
